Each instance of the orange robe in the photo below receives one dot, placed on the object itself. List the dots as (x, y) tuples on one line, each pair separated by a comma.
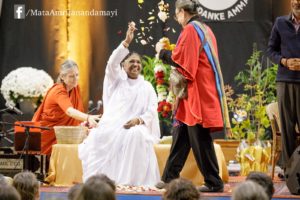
[(52, 112), (202, 105)]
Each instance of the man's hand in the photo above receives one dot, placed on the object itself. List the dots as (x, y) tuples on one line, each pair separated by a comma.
[(293, 64)]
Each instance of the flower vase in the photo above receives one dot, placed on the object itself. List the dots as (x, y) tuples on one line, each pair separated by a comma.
[(254, 156), (165, 128), (27, 106)]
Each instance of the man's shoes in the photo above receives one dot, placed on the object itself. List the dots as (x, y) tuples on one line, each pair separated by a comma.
[(205, 188), (160, 185)]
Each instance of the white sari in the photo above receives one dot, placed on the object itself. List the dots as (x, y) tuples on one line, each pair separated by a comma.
[(125, 155)]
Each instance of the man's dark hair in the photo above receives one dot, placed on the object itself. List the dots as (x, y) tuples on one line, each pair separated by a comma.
[(74, 191), (181, 189), (104, 178), (95, 188)]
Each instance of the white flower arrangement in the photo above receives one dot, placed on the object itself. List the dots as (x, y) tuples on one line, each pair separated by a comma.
[(25, 83)]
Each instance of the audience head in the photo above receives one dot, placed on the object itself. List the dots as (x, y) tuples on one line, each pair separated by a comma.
[(2, 180), (249, 190), (132, 65), (95, 188), (74, 191), (181, 189), (5, 180), (105, 178), (69, 74), (8, 192), (263, 180), (27, 185)]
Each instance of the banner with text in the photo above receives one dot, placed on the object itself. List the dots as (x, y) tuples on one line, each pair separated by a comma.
[(227, 10)]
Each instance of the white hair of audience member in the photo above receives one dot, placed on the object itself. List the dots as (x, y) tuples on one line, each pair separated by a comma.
[(8, 192), (5, 180), (249, 190)]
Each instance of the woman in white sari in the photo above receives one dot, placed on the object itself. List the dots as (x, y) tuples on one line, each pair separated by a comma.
[(122, 145)]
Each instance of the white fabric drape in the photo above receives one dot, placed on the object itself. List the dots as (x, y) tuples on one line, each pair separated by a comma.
[(125, 155)]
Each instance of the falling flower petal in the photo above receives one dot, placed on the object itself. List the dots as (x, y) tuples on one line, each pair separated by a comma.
[(144, 42), (151, 18), (163, 16)]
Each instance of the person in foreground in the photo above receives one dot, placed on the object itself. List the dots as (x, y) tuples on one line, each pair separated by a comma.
[(205, 108), (8, 192), (62, 106), (97, 188), (181, 189), (284, 50), (263, 180), (27, 185), (249, 190), (121, 147)]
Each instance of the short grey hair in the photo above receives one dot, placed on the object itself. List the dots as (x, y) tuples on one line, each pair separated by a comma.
[(190, 6), (65, 68), (249, 190)]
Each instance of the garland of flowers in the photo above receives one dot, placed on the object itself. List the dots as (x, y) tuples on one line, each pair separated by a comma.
[(166, 97)]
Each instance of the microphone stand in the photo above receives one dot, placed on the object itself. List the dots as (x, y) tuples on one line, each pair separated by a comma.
[(3, 131), (4, 110), (26, 145)]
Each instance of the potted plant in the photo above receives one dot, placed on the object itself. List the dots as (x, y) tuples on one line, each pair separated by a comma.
[(248, 111), (249, 118)]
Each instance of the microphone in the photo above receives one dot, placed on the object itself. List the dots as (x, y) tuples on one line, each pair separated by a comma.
[(99, 104), (91, 103), (13, 108)]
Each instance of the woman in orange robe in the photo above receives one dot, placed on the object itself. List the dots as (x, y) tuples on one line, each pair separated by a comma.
[(62, 106)]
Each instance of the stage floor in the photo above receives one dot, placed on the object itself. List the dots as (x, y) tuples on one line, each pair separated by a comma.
[(60, 193)]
